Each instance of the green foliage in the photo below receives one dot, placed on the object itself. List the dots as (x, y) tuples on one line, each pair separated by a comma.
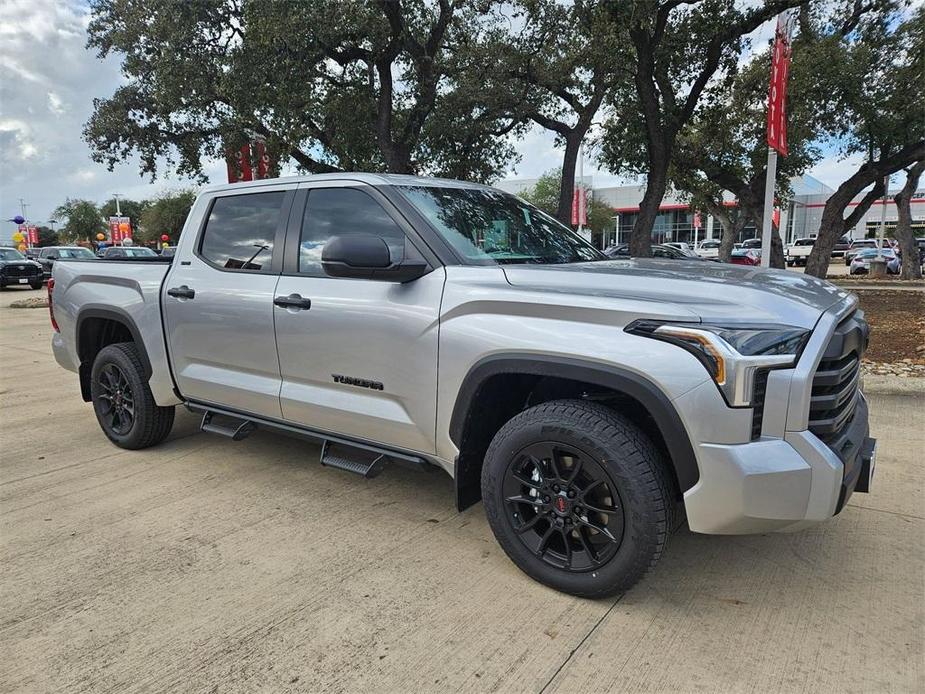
[(166, 214), (47, 237), (84, 220), (389, 86), (545, 195)]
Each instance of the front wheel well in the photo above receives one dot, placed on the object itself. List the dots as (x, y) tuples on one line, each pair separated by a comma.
[(96, 331), (501, 396)]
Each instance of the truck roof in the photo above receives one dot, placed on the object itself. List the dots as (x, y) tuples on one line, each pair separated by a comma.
[(376, 179)]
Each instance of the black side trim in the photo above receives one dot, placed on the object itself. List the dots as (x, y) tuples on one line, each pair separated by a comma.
[(118, 315), (621, 380)]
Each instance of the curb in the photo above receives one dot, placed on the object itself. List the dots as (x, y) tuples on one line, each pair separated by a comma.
[(881, 384)]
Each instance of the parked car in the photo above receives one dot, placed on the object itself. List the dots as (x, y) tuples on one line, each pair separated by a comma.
[(751, 243), (857, 246), (32, 253), (860, 263), (16, 269), (587, 402), (622, 250), (798, 251), (128, 252), (745, 256), (841, 246), (685, 248), (169, 251), (708, 249), (50, 254)]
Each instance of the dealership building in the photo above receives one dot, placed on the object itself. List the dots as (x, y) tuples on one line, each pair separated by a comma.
[(799, 217)]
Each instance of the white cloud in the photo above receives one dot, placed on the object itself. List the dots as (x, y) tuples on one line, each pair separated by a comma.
[(55, 105)]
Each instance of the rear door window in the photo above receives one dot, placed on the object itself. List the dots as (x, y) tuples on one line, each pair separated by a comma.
[(240, 231)]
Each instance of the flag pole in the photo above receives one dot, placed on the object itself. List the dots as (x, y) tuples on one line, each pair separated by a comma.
[(766, 218)]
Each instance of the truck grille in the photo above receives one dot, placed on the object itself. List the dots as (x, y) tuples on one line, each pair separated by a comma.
[(836, 382), (29, 270)]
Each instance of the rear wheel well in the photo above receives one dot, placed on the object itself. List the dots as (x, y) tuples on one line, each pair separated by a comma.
[(502, 396), (96, 332)]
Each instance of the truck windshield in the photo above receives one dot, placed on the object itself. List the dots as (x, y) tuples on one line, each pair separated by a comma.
[(10, 254), (488, 226)]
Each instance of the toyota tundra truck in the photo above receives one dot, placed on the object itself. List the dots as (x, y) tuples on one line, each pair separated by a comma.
[(591, 404)]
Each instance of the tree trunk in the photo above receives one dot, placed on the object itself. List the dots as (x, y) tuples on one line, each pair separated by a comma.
[(911, 268), (777, 245), (834, 224), (567, 184), (656, 184)]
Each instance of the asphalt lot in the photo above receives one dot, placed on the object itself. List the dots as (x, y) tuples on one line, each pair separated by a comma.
[(212, 566)]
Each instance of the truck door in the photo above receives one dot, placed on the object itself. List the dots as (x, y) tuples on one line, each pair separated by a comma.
[(218, 301), (358, 357)]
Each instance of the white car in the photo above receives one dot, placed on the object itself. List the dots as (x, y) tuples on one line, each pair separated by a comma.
[(799, 250), (708, 249)]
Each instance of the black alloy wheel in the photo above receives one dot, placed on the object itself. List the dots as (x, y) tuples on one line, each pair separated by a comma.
[(115, 401), (578, 497), (563, 506), (122, 399)]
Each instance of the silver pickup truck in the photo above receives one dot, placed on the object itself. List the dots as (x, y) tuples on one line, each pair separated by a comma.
[(590, 404)]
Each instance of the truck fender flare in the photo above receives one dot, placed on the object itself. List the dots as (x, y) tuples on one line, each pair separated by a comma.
[(646, 392), (118, 315)]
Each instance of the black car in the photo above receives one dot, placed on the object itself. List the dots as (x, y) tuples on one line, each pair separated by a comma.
[(16, 270), (50, 254), (622, 250)]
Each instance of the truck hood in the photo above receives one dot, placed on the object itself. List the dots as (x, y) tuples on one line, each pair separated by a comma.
[(711, 291)]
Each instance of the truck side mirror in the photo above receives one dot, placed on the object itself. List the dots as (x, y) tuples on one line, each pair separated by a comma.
[(364, 256)]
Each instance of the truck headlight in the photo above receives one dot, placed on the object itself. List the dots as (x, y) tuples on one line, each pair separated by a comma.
[(732, 355)]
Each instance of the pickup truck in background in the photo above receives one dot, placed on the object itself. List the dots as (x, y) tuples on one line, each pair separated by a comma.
[(590, 403), (798, 251)]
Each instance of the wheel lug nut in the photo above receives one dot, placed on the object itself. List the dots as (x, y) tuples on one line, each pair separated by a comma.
[(546, 499), (556, 488), (571, 493)]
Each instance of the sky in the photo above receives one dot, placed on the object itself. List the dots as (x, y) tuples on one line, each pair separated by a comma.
[(48, 80)]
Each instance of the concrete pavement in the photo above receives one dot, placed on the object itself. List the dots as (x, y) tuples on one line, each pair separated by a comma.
[(208, 565)]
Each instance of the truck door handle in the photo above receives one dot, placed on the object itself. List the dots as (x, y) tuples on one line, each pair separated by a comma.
[(182, 292), (293, 301)]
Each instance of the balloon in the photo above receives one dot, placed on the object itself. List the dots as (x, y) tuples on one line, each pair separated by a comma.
[(101, 237), (21, 246), (18, 237), (164, 237), (125, 227), (18, 219), (127, 241), (166, 244)]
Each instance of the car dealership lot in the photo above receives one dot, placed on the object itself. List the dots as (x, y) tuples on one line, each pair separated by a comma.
[(208, 565)]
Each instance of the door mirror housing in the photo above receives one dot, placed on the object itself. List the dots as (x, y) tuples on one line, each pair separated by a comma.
[(364, 256)]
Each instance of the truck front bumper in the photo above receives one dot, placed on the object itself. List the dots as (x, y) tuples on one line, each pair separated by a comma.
[(778, 484)]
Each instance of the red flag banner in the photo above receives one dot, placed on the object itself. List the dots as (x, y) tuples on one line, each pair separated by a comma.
[(579, 207), (32, 235), (777, 93), (239, 165)]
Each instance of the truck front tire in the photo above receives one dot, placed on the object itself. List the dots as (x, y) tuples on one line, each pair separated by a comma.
[(578, 497), (122, 400)]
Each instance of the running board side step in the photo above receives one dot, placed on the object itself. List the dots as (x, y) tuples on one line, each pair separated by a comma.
[(351, 459), (236, 429), (359, 457)]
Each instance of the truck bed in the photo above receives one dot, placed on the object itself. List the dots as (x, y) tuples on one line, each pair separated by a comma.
[(125, 288)]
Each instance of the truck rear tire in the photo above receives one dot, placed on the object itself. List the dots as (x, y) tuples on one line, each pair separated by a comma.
[(122, 400), (578, 497)]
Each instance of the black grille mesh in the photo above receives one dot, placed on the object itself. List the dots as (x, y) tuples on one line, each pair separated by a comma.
[(837, 379)]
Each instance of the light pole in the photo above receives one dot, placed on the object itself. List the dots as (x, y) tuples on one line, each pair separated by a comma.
[(116, 197)]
